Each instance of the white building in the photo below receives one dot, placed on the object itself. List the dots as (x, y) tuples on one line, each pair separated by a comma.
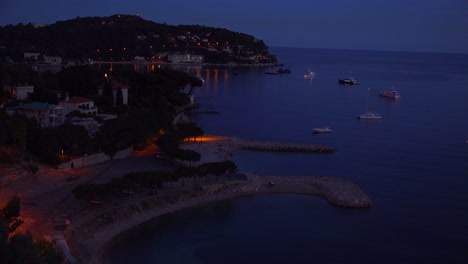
[(84, 105), (186, 58), (20, 92), (34, 55), (53, 60), (45, 114)]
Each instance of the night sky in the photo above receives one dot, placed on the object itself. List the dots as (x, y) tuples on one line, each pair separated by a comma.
[(398, 25)]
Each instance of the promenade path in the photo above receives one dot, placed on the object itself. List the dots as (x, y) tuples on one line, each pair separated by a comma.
[(47, 199), (48, 205)]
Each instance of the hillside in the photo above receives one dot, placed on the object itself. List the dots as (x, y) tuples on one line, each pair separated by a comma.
[(124, 37)]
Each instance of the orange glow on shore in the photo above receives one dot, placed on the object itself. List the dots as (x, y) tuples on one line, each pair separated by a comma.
[(211, 138)]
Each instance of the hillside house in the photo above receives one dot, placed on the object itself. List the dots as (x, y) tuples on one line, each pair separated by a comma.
[(45, 114), (55, 60), (84, 105), (19, 92), (185, 58), (33, 55)]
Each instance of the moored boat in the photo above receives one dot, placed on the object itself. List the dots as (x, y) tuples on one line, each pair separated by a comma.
[(324, 129), (390, 93), (284, 70), (348, 80), (201, 78), (309, 75), (370, 115)]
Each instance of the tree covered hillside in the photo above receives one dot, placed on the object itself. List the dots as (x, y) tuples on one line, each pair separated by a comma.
[(123, 37)]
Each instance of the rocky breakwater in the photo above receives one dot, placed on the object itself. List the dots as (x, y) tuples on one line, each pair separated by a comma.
[(342, 192), (338, 191), (279, 147)]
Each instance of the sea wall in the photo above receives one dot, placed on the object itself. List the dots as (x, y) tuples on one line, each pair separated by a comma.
[(93, 159)]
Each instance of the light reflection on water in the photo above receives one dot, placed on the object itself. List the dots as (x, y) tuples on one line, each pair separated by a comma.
[(412, 163)]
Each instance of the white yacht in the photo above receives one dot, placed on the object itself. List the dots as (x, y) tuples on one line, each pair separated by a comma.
[(370, 115), (324, 129)]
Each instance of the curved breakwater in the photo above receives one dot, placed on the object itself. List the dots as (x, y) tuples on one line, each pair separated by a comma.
[(279, 147), (92, 235), (338, 191)]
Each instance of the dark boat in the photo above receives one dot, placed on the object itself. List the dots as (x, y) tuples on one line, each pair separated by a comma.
[(279, 71), (347, 80), (284, 70)]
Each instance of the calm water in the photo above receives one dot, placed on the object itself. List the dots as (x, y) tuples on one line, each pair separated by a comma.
[(413, 164)]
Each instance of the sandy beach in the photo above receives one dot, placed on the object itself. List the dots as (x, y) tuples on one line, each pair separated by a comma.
[(87, 229)]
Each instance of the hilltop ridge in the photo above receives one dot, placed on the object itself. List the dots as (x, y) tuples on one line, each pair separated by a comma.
[(127, 37)]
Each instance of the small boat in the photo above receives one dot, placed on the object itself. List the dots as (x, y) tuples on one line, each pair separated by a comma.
[(284, 70), (324, 129), (390, 93), (348, 80), (370, 115), (201, 79), (309, 75)]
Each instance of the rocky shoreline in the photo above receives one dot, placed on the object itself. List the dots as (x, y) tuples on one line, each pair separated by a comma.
[(92, 236)]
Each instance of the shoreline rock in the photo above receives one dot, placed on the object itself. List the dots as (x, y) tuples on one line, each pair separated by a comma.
[(92, 237)]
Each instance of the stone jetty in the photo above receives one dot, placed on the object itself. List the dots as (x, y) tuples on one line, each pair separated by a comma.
[(92, 232), (338, 191), (279, 147)]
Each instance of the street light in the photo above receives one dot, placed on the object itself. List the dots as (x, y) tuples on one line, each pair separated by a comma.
[(61, 164)]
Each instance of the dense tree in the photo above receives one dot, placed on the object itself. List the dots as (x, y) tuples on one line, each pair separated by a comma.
[(186, 155), (119, 98), (20, 247), (10, 214), (190, 130), (48, 147), (120, 133), (168, 142), (185, 171), (150, 179), (106, 100), (79, 80), (115, 38), (17, 127), (74, 139), (217, 168)]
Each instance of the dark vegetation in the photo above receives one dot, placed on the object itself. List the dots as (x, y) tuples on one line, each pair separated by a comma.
[(123, 37), (18, 247), (150, 181), (154, 100)]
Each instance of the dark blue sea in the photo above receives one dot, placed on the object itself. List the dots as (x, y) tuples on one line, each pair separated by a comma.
[(413, 163)]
